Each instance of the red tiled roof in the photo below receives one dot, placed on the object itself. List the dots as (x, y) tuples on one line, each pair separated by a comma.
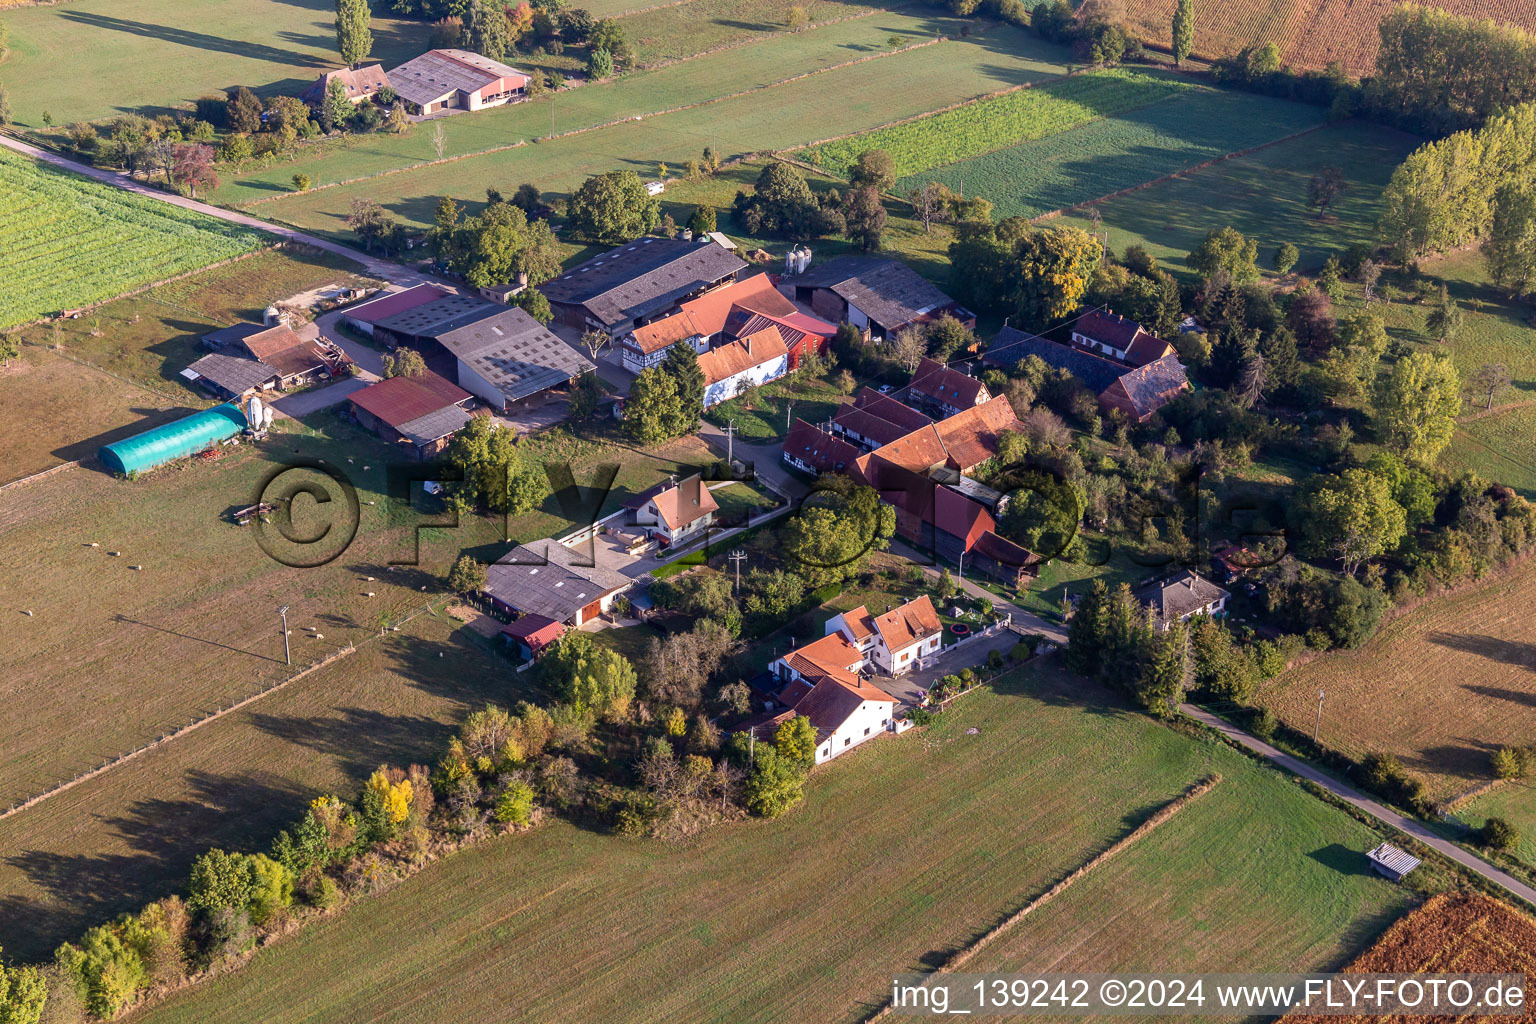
[(859, 622), (918, 451), (947, 385), (911, 623), (1147, 348), (971, 436), (399, 400), (728, 360), (961, 517), (678, 504), (827, 658), (1139, 345), (1003, 550), (831, 701), (756, 294), (537, 631), (826, 454), (658, 334)]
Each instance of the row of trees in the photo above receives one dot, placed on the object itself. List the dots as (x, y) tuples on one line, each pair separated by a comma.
[(783, 205), (1442, 72)]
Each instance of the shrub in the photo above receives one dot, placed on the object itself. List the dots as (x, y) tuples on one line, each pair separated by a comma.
[(995, 659), (1263, 724), (1385, 775), (323, 892), (515, 805), (1498, 834), (1506, 763)]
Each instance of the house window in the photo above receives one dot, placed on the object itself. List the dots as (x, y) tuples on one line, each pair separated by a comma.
[(866, 730), (885, 721), (847, 740)]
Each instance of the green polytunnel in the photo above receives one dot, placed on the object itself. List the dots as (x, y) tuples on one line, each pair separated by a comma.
[(174, 440)]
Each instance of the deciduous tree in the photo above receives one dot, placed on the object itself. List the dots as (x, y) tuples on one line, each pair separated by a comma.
[(612, 208), (354, 38), (1417, 405), (1183, 30)]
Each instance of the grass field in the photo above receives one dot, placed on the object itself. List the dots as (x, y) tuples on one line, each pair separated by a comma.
[(677, 31), (1513, 801), (922, 843), (1263, 195), (851, 98), (152, 55), (767, 413), (68, 241), (640, 93), (1122, 151), (1442, 687)]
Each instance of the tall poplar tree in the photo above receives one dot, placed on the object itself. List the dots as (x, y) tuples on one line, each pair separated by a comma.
[(354, 38)]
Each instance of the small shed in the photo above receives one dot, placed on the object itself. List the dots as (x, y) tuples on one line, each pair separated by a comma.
[(1391, 862), (533, 633)]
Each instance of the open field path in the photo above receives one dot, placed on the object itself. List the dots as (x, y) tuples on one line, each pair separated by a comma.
[(1356, 799), (390, 271)]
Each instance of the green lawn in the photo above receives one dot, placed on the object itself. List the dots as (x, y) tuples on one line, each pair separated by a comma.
[(95, 58), (69, 241), (848, 98), (1263, 195), (766, 414), (739, 500), (922, 843), (1515, 802), (1122, 151), (677, 31)]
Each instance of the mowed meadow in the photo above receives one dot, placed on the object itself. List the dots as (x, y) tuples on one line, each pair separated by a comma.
[(68, 241), (901, 854)]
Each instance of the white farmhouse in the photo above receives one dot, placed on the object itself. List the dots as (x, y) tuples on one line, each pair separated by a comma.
[(894, 642), (676, 510), (647, 345), (822, 683), (751, 361)]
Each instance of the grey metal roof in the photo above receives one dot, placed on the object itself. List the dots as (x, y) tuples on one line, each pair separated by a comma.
[(515, 353), (889, 292), (541, 579), (439, 315), (230, 335), (235, 374), (434, 425), (642, 277), (1399, 862)]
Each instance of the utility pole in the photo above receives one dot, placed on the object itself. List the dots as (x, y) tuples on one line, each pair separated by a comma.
[(736, 556), (730, 444), (287, 654), (788, 408), (1319, 725), (752, 747), (962, 564)]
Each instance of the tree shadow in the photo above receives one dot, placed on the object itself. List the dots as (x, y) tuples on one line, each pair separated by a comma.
[(1509, 652), (1341, 858)]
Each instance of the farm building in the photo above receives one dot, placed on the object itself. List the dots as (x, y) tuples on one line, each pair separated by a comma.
[(647, 345), (171, 441), (298, 356), (1137, 392), (896, 641), (230, 376), (878, 296), (360, 83), (749, 362), (531, 634), (674, 511), (1181, 597), (821, 682), (367, 315), (638, 282), (812, 450), (873, 420), (456, 80), (945, 389), (422, 412), (1390, 862), (225, 338), (545, 578), (1122, 340)]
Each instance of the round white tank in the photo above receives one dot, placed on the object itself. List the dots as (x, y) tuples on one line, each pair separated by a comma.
[(253, 412)]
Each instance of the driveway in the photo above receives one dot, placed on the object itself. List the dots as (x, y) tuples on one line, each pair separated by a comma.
[(302, 404), (766, 461), (950, 659), (1027, 622)]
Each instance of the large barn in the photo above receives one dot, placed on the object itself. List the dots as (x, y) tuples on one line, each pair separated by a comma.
[(456, 80), (638, 282)]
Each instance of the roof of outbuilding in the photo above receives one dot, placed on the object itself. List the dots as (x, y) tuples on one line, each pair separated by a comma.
[(358, 82), (545, 578), (534, 627), (889, 292), (235, 374), (860, 623), (399, 400), (817, 448), (515, 353), (1399, 862), (880, 418), (739, 356), (280, 347), (660, 334), (1001, 549), (1095, 372), (383, 307), (436, 73), (831, 701), (972, 435), (428, 319), (1150, 387), (641, 277), (235, 333)]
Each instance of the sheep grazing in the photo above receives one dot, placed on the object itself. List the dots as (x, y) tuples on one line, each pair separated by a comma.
[(368, 594)]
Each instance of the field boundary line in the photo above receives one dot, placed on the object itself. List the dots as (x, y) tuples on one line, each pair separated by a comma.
[(1234, 155), (212, 716), (541, 139), (38, 476), (1162, 815), (1481, 789)]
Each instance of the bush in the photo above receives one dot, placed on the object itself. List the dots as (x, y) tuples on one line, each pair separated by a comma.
[(1507, 763), (1498, 834), (1263, 724), (323, 892), (1021, 652), (995, 659), (1385, 775)]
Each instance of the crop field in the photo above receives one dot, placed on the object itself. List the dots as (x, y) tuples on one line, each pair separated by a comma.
[(1121, 152), (586, 926), (1451, 933), (1441, 687), (698, 80), (124, 838), (68, 241), (91, 59), (1311, 34), (986, 125), (1264, 195), (855, 97)]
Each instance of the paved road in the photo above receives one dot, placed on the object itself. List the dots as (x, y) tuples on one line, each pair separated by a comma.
[(1027, 621), (766, 459), (1352, 796)]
